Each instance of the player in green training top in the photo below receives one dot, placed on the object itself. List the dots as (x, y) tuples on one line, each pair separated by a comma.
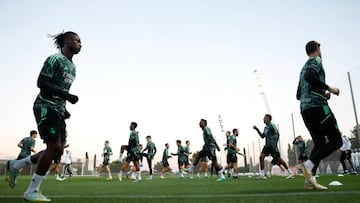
[(150, 146), (27, 145), (208, 150), (303, 149), (271, 134), (134, 153), (165, 157), (107, 152), (54, 81), (232, 150), (181, 158), (313, 94)]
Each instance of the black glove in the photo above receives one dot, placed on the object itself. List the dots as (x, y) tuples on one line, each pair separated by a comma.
[(72, 98)]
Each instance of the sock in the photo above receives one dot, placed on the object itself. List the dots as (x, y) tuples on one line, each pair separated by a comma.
[(22, 162), (221, 172), (309, 165), (205, 173), (138, 175), (35, 183), (120, 174), (262, 172), (198, 174)]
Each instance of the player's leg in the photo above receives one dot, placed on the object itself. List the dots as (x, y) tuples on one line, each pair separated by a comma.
[(262, 163), (342, 161), (107, 167), (137, 169)]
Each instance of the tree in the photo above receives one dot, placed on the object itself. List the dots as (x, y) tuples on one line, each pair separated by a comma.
[(354, 138)]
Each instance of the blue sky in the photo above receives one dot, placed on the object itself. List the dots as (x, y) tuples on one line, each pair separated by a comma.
[(167, 64)]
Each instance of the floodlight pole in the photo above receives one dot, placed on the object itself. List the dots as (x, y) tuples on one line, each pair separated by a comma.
[(354, 106)]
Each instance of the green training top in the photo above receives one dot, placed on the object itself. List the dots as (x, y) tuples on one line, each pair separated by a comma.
[(150, 146), (62, 72), (27, 142), (231, 138), (271, 134), (209, 141), (165, 155), (107, 152), (134, 141), (308, 98), (303, 148)]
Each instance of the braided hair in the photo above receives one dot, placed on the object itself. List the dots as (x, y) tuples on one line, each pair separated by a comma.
[(59, 39)]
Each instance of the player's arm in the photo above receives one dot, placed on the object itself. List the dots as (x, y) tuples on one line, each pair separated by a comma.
[(317, 85), (145, 149), (258, 131), (155, 150), (20, 144)]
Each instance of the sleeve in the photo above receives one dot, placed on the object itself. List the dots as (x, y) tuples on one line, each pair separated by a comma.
[(312, 77)]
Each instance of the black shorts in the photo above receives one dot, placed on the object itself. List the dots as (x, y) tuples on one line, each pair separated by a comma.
[(57, 158), (303, 157), (273, 151), (165, 163), (231, 157), (51, 124), (208, 153), (275, 162), (133, 156), (106, 161)]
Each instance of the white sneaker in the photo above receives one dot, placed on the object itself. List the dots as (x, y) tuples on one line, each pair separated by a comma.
[(149, 178), (59, 179), (119, 177), (35, 196), (162, 177), (261, 177), (308, 177)]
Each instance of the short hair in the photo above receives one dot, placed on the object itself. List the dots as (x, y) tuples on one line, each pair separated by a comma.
[(134, 124), (204, 121), (187, 141), (148, 137), (107, 142), (234, 130), (269, 116), (311, 47), (178, 141), (33, 132), (166, 144)]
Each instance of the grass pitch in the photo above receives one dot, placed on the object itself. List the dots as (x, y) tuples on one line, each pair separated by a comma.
[(173, 189)]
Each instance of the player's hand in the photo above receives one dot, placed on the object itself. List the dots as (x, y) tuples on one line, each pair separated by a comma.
[(334, 90), (67, 114), (256, 128), (72, 98)]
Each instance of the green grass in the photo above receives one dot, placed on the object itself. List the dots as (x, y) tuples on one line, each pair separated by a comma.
[(244, 189)]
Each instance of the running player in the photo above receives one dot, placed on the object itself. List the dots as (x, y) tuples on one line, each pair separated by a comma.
[(181, 158), (107, 152), (165, 157), (187, 154), (54, 81), (133, 153), (232, 152), (208, 150), (27, 145), (150, 146), (271, 134), (313, 94), (303, 149)]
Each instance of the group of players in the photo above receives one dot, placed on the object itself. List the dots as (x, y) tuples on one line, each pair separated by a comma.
[(59, 71)]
